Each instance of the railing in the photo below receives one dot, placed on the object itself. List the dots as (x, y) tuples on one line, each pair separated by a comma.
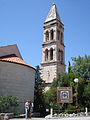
[(70, 113)]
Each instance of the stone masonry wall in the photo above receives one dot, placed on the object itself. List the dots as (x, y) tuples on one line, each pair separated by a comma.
[(17, 80)]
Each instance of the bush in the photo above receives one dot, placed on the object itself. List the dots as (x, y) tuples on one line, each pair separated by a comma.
[(71, 109), (7, 103)]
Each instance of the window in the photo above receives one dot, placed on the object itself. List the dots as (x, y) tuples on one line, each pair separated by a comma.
[(52, 34), (60, 56), (61, 37), (47, 35), (61, 52), (58, 35), (46, 54), (51, 54)]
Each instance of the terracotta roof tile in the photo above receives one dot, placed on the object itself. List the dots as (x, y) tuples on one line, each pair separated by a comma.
[(15, 60)]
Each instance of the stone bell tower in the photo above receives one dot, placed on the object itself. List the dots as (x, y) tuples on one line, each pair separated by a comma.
[(53, 48)]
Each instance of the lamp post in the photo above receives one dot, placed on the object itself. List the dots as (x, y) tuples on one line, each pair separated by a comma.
[(51, 110), (76, 81)]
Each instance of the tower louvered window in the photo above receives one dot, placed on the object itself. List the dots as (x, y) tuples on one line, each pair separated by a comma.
[(61, 37), (51, 54), (47, 35), (46, 54), (52, 34)]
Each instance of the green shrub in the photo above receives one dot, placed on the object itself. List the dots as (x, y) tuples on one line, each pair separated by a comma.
[(71, 109), (8, 103)]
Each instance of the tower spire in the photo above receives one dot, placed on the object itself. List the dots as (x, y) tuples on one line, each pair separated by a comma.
[(53, 14), (53, 49)]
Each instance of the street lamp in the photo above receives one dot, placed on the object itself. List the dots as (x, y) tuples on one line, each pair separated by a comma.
[(76, 81)]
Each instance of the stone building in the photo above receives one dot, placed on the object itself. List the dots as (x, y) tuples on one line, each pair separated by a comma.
[(53, 48), (17, 78)]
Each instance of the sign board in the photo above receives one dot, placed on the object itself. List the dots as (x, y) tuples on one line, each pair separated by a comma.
[(64, 95)]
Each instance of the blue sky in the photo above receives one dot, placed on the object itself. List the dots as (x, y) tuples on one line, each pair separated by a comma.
[(21, 23)]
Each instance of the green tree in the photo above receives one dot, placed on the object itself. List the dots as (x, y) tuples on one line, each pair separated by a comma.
[(81, 66), (69, 67), (39, 105), (61, 80), (86, 95), (51, 97), (8, 102)]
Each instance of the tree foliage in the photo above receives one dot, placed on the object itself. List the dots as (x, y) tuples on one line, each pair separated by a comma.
[(50, 97), (8, 102), (81, 66), (61, 81), (86, 95), (39, 105)]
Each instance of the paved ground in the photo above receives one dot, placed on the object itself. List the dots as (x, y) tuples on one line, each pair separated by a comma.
[(73, 118)]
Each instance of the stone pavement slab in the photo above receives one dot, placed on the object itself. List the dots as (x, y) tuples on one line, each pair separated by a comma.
[(72, 118)]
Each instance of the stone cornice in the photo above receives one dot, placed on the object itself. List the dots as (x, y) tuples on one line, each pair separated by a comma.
[(52, 63)]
